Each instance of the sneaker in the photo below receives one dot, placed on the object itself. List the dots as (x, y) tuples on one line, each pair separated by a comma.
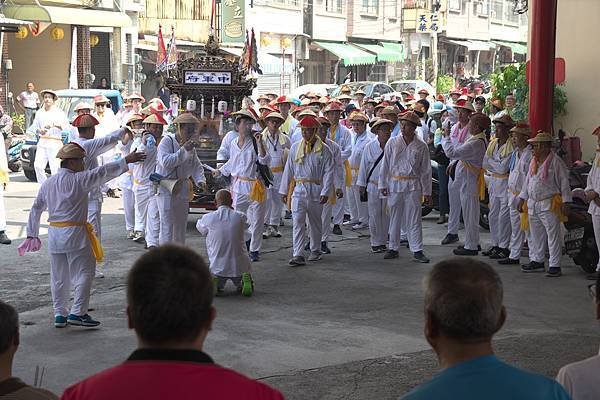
[(218, 290), (509, 261), (403, 242), (500, 254), (490, 251), (60, 321), (130, 234), (82, 320), (442, 219), (307, 247), (324, 248), (450, 238), (314, 256), (138, 237), (297, 261), (99, 274), (420, 257), (275, 232), (267, 233), (336, 230), (390, 254), (149, 247), (360, 225), (346, 218), (461, 251), (254, 256), (247, 284), (533, 266), (554, 272), (350, 223), (288, 214), (4, 239), (377, 249)]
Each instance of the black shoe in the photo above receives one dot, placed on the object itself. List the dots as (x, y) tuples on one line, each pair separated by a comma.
[(420, 257), (500, 253), (509, 261), (324, 248), (450, 238), (4, 239), (346, 218), (390, 254), (490, 251), (461, 251), (307, 247), (247, 245), (288, 214), (554, 272), (378, 249), (462, 246), (337, 230), (533, 266)]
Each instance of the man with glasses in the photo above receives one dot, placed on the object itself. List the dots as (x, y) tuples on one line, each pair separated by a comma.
[(108, 123), (580, 379)]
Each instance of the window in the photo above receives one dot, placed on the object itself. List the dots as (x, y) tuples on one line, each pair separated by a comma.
[(415, 4), (497, 10), (128, 49), (509, 15), (370, 7), (481, 8), (334, 6), (455, 5), (285, 2)]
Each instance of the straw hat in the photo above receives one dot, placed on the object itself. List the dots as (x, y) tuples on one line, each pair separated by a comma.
[(297, 110), (186, 118), (273, 114), (135, 96), (482, 119), (344, 97), (333, 106), (381, 121), (244, 113), (82, 105), (306, 113), (85, 121), (324, 121), (522, 128), (504, 119), (155, 119), (464, 104), (70, 150), (263, 97), (390, 110), (359, 116), (423, 91), (309, 122), (542, 137), (134, 117), (360, 91), (101, 99), (49, 91), (411, 117), (284, 99)]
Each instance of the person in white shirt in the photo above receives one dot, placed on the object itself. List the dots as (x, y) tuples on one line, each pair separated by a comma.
[(405, 178), (308, 180), (48, 124), (4, 179), (125, 181), (108, 123), (248, 187), (73, 247), (177, 159), (518, 168), (544, 197), (134, 107), (30, 101), (592, 192), (360, 137), (225, 230), (147, 216), (284, 104), (469, 180), (391, 114), (81, 108), (338, 182), (497, 164), (368, 181), (580, 379), (278, 146)]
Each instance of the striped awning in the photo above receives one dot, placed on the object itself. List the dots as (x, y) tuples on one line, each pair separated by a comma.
[(350, 55)]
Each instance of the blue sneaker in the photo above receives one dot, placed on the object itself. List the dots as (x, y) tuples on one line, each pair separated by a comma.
[(60, 321), (82, 320)]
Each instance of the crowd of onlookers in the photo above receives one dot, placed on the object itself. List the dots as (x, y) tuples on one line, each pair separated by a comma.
[(169, 306)]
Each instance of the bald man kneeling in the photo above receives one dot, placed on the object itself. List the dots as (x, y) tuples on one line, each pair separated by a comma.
[(226, 230)]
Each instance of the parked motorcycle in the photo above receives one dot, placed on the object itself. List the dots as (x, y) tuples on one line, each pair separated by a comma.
[(580, 242), (14, 154)]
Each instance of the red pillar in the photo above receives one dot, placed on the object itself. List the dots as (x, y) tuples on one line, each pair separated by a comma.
[(541, 65)]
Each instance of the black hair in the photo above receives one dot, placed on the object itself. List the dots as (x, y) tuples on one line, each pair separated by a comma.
[(9, 326)]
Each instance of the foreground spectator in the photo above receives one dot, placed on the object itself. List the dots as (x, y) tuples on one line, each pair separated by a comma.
[(11, 387), (463, 310), (169, 306), (582, 379)]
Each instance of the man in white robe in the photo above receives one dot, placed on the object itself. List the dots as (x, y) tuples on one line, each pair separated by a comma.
[(360, 137), (592, 192)]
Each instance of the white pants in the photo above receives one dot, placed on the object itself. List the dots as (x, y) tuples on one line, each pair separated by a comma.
[(340, 208), (142, 194), (326, 220), (173, 211), (454, 201), (75, 268), (499, 217), (517, 237), (302, 208), (545, 233), (43, 156), (379, 220), (152, 216), (469, 202), (358, 209), (129, 208), (255, 213), (95, 216), (2, 211), (405, 211), (596, 223), (274, 206)]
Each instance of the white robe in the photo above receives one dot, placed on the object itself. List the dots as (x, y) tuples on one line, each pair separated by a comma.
[(275, 148), (338, 182), (54, 121), (499, 214), (593, 183), (515, 184), (358, 209), (223, 152), (343, 137)]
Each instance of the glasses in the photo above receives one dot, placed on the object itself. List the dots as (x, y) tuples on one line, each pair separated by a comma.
[(592, 290), (101, 105)]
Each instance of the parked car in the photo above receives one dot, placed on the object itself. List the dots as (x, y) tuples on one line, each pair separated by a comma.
[(320, 89), (414, 84), (371, 89), (67, 100)]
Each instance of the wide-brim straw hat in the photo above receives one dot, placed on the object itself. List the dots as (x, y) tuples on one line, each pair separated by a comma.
[(542, 137), (464, 104), (359, 116), (186, 118), (381, 121), (274, 115), (70, 150), (82, 105), (504, 119), (522, 128), (156, 119), (411, 117), (85, 121), (244, 114), (49, 91)]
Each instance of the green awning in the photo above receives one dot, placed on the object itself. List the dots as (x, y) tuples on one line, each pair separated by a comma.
[(517, 48), (397, 47), (67, 15), (349, 54), (383, 53)]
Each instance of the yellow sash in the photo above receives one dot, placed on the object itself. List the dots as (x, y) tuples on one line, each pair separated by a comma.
[(96, 246), (555, 207), (3, 176), (190, 190), (347, 173), (276, 169), (480, 178), (290, 191), (332, 197), (525, 217), (258, 192)]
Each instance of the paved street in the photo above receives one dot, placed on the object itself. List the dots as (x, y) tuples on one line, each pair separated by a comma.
[(347, 327)]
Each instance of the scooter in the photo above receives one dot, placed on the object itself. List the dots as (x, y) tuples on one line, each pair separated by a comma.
[(14, 154), (580, 242)]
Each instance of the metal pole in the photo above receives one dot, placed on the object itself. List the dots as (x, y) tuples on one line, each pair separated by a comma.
[(541, 65)]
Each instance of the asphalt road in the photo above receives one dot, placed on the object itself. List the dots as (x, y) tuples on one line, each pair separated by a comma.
[(347, 327)]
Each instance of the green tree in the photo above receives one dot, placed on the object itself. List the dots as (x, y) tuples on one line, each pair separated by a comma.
[(445, 83)]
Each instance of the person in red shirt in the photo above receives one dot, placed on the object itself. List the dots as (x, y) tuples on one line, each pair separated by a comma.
[(169, 306)]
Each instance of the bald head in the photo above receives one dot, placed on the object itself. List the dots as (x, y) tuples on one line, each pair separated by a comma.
[(223, 198)]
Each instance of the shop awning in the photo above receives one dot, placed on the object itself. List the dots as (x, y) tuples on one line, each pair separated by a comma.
[(349, 54), (474, 45), (67, 15), (517, 48), (383, 53), (270, 64)]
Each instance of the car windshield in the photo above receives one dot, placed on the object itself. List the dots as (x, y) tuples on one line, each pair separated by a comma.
[(400, 86)]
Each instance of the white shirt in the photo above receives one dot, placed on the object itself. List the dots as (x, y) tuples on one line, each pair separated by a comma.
[(53, 121), (471, 151), (315, 167), (538, 192), (223, 152), (403, 160), (517, 175), (580, 379), (29, 100), (498, 167), (343, 137), (358, 146), (65, 196), (242, 165), (338, 163), (225, 231), (143, 169), (370, 155), (276, 148), (175, 162), (593, 183)]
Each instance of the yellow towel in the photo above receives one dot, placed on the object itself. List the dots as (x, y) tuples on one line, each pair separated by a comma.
[(258, 193), (96, 246), (556, 207), (506, 150), (303, 149), (290, 191)]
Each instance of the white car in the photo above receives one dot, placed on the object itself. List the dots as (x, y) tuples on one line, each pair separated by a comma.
[(320, 89)]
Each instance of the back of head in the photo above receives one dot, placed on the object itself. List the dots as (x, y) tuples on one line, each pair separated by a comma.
[(9, 326), (169, 294), (463, 297)]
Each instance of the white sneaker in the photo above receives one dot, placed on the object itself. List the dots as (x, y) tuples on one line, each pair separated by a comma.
[(314, 256), (351, 223), (268, 232), (99, 274), (360, 225)]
